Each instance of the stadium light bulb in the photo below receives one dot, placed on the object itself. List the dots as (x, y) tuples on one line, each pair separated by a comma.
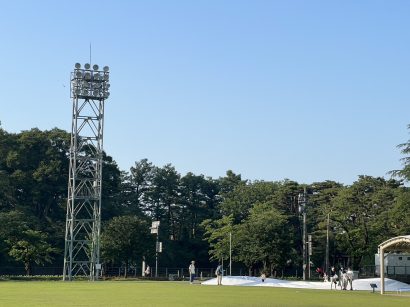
[(77, 65), (106, 68)]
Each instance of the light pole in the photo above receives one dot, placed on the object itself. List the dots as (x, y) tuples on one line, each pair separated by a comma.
[(158, 245)]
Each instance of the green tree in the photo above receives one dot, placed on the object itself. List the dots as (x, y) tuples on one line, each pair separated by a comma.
[(405, 171), (111, 188), (217, 235), (31, 248), (360, 216), (319, 208), (244, 196), (229, 182), (264, 239), (398, 218), (125, 239), (162, 200), (198, 200)]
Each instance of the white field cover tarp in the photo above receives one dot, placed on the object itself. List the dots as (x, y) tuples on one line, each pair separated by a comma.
[(358, 284)]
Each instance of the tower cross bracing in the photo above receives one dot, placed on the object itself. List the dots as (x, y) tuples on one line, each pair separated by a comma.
[(89, 88)]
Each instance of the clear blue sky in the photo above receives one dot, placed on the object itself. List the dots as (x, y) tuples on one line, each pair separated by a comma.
[(305, 90)]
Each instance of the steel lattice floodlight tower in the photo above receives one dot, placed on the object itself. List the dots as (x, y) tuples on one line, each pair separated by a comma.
[(89, 88)]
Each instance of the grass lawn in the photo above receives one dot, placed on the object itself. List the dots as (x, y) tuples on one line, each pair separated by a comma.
[(138, 293)]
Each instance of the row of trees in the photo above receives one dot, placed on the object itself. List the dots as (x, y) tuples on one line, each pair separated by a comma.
[(197, 213)]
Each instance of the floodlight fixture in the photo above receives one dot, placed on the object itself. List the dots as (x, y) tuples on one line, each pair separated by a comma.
[(88, 88), (90, 84)]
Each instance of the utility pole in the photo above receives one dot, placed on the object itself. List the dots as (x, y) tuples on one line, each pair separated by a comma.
[(230, 253), (327, 245), (302, 210)]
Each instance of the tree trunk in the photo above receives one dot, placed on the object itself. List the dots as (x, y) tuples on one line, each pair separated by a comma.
[(27, 267), (126, 269)]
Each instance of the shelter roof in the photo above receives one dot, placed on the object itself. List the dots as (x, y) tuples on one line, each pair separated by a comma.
[(400, 244)]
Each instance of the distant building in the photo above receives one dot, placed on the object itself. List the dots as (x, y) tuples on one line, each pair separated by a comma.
[(395, 264)]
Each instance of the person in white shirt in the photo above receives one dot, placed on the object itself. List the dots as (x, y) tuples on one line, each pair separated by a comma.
[(191, 271), (147, 271)]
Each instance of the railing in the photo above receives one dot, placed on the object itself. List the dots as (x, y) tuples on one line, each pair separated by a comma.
[(136, 272), (401, 273), (395, 272)]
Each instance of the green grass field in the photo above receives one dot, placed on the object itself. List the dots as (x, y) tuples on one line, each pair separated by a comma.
[(138, 293)]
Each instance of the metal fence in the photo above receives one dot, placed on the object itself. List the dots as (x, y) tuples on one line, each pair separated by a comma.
[(374, 270), (136, 272), (169, 273)]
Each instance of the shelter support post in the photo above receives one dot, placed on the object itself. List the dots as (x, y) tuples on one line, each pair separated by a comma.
[(381, 261)]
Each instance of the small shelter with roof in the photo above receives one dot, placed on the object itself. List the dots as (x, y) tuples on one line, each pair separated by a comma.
[(396, 244)]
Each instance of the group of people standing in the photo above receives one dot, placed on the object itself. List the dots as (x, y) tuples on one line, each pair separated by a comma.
[(344, 278), (192, 272)]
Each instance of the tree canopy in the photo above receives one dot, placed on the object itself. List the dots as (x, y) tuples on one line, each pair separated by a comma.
[(198, 214)]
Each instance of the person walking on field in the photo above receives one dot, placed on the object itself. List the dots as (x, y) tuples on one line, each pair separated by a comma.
[(147, 271), (219, 274), (191, 270)]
